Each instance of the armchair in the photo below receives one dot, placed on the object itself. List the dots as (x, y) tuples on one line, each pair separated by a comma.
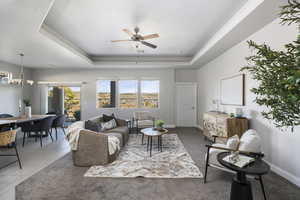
[(249, 144), (143, 119)]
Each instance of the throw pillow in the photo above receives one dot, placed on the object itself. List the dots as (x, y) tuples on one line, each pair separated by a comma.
[(108, 125), (107, 118), (93, 126), (233, 142), (250, 141)]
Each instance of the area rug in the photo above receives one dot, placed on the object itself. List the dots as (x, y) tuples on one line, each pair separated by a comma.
[(134, 161)]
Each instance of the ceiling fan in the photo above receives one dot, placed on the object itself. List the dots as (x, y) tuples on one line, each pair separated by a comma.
[(139, 38)]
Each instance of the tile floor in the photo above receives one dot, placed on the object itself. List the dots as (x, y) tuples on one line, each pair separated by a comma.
[(34, 158)]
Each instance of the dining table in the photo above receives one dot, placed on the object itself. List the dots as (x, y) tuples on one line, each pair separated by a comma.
[(12, 122), (21, 119)]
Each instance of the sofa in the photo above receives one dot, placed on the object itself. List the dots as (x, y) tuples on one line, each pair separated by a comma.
[(92, 147)]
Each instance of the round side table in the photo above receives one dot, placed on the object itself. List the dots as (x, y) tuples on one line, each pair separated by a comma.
[(151, 132), (241, 187)]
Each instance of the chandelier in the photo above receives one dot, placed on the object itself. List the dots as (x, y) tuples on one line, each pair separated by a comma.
[(21, 81)]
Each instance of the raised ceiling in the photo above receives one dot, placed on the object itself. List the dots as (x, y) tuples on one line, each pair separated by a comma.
[(184, 26), (66, 33)]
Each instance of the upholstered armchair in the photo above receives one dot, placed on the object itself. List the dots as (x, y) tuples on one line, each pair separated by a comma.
[(143, 119), (249, 144), (8, 138)]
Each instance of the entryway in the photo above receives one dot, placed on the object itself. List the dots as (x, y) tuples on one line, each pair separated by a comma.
[(186, 104)]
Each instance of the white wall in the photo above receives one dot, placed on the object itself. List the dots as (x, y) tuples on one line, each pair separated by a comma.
[(88, 91), (10, 95), (281, 147), (186, 75)]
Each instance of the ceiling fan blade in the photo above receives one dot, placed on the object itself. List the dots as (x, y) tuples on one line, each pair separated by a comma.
[(120, 40), (149, 44), (128, 32), (151, 36)]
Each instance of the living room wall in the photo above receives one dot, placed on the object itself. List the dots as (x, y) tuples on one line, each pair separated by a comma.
[(280, 146), (11, 94), (88, 90)]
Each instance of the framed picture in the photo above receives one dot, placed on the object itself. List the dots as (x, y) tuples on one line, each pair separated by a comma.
[(232, 90)]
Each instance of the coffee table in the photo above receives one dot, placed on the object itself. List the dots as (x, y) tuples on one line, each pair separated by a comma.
[(241, 187), (151, 132)]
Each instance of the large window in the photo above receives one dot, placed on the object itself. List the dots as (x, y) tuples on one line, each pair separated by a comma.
[(128, 93), (150, 93), (106, 94)]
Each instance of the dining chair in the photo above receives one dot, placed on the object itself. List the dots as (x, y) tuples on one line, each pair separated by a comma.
[(59, 122), (26, 128), (8, 139), (5, 115), (43, 126)]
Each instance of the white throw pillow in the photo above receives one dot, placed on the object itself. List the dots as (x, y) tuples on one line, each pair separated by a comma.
[(250, 141), (113, 144), (233, 142), (108, 125)]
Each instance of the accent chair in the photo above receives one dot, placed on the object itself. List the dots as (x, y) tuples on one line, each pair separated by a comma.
[(249, 143)]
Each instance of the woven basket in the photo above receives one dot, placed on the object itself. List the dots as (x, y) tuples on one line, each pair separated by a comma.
[(7, 137)]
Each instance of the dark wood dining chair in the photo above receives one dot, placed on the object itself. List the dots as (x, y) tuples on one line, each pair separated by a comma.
[(59, 122), (8, 139)]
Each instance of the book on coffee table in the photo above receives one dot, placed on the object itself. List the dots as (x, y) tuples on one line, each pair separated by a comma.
[(240, 161)]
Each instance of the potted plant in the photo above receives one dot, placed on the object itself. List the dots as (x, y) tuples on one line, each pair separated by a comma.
[(159, 124), (27, 108), (278, 74)]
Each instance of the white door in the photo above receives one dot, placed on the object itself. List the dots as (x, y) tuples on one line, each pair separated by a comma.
[(186, 100)]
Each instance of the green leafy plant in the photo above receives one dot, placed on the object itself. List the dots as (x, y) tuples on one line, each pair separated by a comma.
[(159, 123), (77, 115), (278, 74), (27, 102)]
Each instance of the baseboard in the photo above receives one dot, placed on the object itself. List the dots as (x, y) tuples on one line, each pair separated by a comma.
[(170, 126), (290, 177), (199, 127)]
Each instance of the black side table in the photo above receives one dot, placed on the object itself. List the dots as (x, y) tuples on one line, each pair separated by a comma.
[(241, 187), (129, 125)]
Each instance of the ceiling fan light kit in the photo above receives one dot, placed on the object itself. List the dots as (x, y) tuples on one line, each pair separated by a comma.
[(136, 37)]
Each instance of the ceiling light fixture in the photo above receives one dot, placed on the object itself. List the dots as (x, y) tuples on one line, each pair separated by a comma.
[(20, 80)]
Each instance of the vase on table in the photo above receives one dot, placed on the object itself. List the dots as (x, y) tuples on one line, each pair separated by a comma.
[(28, 111)]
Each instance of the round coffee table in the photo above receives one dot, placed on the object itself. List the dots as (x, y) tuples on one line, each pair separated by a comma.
[(151, 132), (241, 187)]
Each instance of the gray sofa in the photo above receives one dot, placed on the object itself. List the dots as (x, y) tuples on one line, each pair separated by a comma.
[(92, 146)]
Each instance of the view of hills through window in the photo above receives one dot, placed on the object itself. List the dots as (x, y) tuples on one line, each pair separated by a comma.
[(106, 94), (150, 93), (128, 93)]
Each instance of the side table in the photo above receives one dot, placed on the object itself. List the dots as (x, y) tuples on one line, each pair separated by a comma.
[(241, 187)]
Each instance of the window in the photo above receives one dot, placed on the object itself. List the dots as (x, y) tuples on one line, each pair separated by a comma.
[(149, 93), (128, 93), (106, 94)]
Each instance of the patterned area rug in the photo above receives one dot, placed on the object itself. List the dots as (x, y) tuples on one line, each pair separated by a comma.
[(134, 161)]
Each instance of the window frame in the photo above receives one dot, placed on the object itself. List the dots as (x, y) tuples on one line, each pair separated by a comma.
[(139, 92), (117, 91)]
